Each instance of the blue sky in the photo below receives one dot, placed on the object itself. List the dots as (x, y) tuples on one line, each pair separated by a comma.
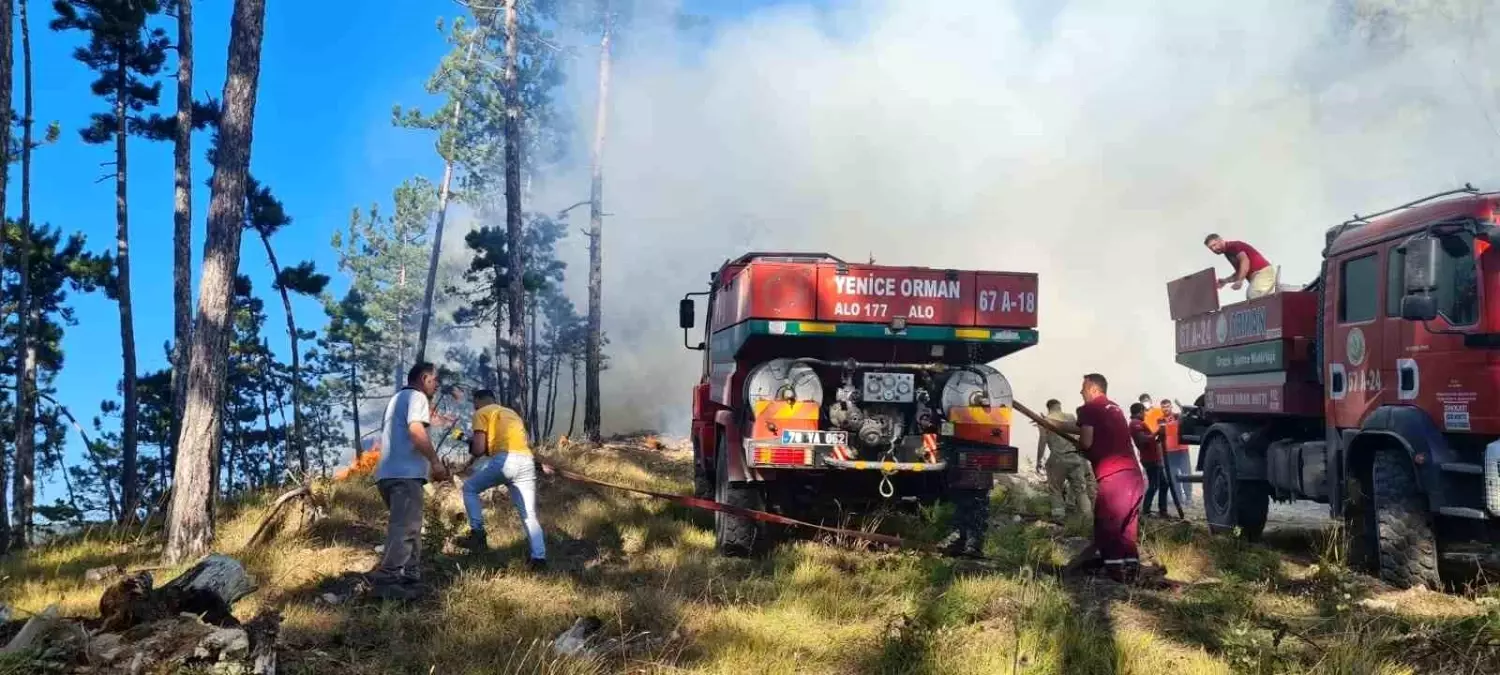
[(331, 72)]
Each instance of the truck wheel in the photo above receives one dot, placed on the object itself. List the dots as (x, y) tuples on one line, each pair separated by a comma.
[(1228, 501), (736, 536), (703, 474), (1406, 544)]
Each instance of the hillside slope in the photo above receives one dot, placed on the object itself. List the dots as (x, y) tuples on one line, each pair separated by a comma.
[(668, 604)]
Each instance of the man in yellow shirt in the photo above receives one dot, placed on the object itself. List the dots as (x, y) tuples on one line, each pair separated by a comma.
[(498, 443)]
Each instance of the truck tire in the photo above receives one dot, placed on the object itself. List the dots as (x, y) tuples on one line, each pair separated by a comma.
[(736, 536), (1228, 501), (1406, 543)]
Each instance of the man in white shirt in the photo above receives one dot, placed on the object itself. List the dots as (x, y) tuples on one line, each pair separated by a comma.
[(407, 460)]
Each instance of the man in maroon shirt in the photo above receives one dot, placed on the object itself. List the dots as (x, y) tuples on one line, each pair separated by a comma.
[(1104, 436), (1151, 460), (1248, 265)]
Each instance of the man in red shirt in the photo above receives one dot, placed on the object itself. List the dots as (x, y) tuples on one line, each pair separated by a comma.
[(1104, 437), (1248, 265), (1151, 460)]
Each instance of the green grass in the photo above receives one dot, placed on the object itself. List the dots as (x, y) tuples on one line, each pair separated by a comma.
[(649, 571)]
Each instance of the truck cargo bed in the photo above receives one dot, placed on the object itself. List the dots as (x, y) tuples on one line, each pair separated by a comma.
[(1258, 354)]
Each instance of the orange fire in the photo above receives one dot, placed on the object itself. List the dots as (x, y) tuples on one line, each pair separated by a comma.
[(363, 466)]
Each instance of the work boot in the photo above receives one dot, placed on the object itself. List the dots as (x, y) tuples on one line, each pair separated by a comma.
[(953, 545), (476, 541), (536, 564)]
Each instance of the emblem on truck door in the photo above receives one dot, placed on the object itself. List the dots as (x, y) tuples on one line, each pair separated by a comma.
[(1354, 347)]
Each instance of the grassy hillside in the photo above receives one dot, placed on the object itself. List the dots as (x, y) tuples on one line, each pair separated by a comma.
[(648, 570)]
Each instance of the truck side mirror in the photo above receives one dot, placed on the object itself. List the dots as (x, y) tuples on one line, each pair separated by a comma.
[(686, 313), (1419, 307), (1420, 273), (1421, 264)]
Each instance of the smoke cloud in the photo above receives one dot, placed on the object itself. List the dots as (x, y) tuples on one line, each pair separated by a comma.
[(1094, 142)]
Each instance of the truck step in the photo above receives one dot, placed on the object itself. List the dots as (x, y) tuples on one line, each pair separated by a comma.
[(1462, 467), (1462, 512), (1191, 478)]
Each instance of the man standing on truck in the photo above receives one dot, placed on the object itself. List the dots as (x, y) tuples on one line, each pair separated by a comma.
[(1104, 436), (1248, 265), (1070, 481)]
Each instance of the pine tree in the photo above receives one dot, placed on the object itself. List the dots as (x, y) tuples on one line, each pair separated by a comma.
[(126, 55), (25, 458), (182, 212), (592, 417), (346, 356), (266, 216), (53, 269), (189, 527), (385, 259)]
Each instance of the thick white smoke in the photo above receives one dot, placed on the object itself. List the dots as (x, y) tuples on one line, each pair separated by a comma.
[(1094, 142)]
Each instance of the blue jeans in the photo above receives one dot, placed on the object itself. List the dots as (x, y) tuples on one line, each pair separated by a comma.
[(1179, 465), (519, 472)]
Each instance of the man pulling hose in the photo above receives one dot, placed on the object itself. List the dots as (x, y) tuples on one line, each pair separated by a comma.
[(497, 442), (1104, 437)]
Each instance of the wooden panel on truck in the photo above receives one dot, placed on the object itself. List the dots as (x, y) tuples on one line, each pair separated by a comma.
[(1286, 315), (1274, 393), (1256, 357), (767, 290), (874, 294), (1005, 299), (1194, 294)]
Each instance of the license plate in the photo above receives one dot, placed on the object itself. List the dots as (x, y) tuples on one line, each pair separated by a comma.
[(800, 437)]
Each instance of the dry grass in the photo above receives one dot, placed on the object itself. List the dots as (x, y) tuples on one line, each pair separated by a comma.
[(649, 571)]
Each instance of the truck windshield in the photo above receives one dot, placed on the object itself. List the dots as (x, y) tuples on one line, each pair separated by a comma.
[(1457, 279)]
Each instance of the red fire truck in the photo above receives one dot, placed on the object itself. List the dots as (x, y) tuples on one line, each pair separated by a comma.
[(828, 383), (1373, 390)]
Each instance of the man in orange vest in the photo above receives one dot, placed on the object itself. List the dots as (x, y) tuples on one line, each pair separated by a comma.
[(1177, 462)]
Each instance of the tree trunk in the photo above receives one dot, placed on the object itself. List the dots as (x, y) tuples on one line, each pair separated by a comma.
[(88, 445), (501, 384), (594, 358), (130, 484), (516, 302), (294, 436), (354, 396), (442, 205), (534, 349), (6, 50), (265, 412), (573, 417), (190, 530), (25, 462), (552, 372), (182, 218)]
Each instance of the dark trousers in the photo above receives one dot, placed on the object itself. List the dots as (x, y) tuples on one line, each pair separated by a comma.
[(1117, 516), (972, 517), (1156, 486), (402, 562)]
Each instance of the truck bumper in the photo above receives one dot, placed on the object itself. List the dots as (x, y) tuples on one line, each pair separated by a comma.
[(773, 455), (888, 467)]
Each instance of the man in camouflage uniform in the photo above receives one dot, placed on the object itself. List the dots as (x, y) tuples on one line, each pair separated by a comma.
[(971, 513), (1070, 480)]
